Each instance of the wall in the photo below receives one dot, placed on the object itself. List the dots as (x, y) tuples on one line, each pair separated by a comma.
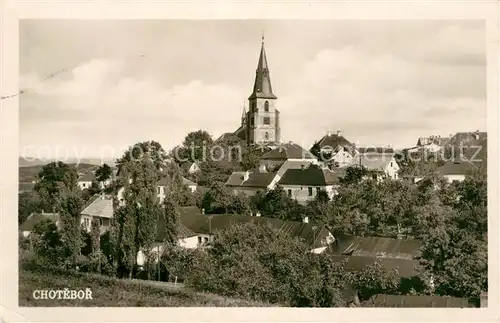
[(248, 191), (392, 171), (343, 158), (84, 184), (451, 178), (301, 193), (258, 130), (86, 221), (189, 243)]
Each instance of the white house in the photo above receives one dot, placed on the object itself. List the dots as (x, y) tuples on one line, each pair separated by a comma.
[(335, 149), (384, 163), (161, 187), (272, 160), (456, 171), (99, 209), (85, 180), (249, 183), (305, 184)]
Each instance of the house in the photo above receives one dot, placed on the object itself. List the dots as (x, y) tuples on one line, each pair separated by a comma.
[(350, 245), (35, 218), (190, 167), (99, 208), (249, 183), (85, 180), (335, 149), (456, 171), (162, 184), (432, 144), (467, 138), (383, 300), (304, 184), (382, 162), (275, 158), (406, 268)]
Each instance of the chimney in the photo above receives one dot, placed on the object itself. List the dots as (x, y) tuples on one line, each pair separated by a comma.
[(328, 133), (202, 211), (306, 219), (338, 132), (477, 135), (483, 299)]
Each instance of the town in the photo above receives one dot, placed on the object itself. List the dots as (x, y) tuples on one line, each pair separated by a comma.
[(250, 216)]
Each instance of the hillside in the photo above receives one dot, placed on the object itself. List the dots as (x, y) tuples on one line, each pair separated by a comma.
[(28, 173), (29, 162), (112, 292)]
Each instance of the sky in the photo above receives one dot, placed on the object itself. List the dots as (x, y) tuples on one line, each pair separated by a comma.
[(381, 83)]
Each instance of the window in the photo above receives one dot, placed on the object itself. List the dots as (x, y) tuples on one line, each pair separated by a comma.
[(318, 190), (289, 193), (267, 120), (266, 106), (266, 136), (374, 176), (83, 185), (199, 240), (158, 190), (310, 191), (205, 239), (391, 164), (100, 221)]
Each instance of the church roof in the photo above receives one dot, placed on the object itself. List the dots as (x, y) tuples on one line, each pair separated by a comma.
[(262, 85), (288, 151)]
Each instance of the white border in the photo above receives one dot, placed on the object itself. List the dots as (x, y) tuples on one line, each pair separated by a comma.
[(11, 11)]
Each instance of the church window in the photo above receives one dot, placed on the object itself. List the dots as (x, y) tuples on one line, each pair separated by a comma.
[(266, 106), (267, 120)]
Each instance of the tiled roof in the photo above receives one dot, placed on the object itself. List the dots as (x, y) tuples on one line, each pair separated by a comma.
[(334, 140), (36, 218), (160, 235), (101, 207), (235, 179), (440, 141), (405, 267), (456, 168), (206, 224), (377, 247), (288, 151), (262, 86), (88, 177), (259, 179), (310, 176), (373, 161), (383, 300), (466, 138)]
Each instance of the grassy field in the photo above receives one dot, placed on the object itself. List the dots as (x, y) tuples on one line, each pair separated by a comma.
[(112, 292)]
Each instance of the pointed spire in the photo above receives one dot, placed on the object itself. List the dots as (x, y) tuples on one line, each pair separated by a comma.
[(262, 86)]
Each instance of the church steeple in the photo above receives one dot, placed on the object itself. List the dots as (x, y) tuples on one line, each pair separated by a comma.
[(262, 86)]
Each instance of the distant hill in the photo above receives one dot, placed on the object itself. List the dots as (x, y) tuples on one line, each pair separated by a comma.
[(29, 162), (27, 174)]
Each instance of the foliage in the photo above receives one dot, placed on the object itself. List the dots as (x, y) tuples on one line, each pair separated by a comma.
[(259, 263), (28, 203), (103, 173), (147, 150), (46, 241), (250, 159), (195, 147), (69, 208), (218, 199), (276, 204), (53, 178), (375, 279)]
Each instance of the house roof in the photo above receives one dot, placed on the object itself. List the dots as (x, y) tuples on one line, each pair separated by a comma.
[(187, 182), (207, 224), (186, 165), (468, 138), (313, 175), (377, 247), (405, 267), (235, 179), (373, 161), (87, 177), (384, 300), (288, 151), (101, 207), (258, 179), (456, 168), (36, 218), (437, 140), (375, 150), (184, 232), (334, 141), (189, 210)]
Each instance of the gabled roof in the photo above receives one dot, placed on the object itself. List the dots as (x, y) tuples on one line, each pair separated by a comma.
[(188, 182), (384, 300), (164, 181), (288, 151), (334, 141), (377, 247), (88, 177), (101, 207), (406, 267), (310, 176), (437, 140), (373, 161), (259, 179), (466, 138), (36, 218), (456, 168), (186, 165), (161, 231), (236, 179), (208, 224), (262, 86)]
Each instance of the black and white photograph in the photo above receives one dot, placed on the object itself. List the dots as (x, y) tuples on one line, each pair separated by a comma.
[(283, 163)]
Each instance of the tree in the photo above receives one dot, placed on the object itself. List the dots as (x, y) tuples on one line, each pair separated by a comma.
[(151, 150), (354, 174), (276, 204), (96, 256), (28, 203), (103, 173), (52, 179), (70, 206), (46, 241), (250, 159), (375, 279), (172, 220), (196, 146)]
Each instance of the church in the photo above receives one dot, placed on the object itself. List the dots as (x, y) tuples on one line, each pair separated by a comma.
[(260, 125)]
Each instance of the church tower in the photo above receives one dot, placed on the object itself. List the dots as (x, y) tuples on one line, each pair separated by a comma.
[(262, 123)]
